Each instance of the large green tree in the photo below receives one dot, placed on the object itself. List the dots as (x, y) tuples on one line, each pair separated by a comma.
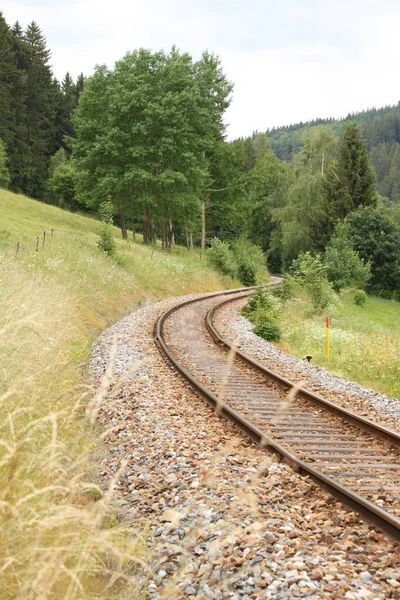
[(41, 107), (356, 179), (144, 130), (375, 235), (303, 207)]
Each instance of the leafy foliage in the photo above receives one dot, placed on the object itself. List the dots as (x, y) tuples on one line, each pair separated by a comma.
[(61, 183), (262, 310), (250, 260), (375, 235), (106, 241), (311, 274), (344, 267), (144, 131), (268, 331), (359, 297), (240, 259), (221, 258)]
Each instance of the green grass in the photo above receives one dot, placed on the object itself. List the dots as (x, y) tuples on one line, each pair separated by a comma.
[(56, 538), (365, 341)]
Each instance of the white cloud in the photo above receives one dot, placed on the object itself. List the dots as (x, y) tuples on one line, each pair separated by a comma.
[(291, 61)]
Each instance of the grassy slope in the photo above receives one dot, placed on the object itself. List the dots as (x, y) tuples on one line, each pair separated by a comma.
[(56, 536), (365, 341)]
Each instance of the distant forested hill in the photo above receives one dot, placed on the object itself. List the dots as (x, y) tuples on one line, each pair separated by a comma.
[(381, 129)]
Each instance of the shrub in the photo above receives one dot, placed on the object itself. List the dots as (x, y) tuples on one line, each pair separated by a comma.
[(268, 331), (247, 274), (344, 266), (359, 297), (106, 211), (263, 312), (251, 261), (260, 300), (106, 241), (311, 274), (221, 258)]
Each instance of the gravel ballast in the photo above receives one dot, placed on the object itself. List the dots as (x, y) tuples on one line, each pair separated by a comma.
[(374, 405), (225, 519)]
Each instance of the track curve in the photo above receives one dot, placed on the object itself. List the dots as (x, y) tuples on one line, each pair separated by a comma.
[(352, 457)]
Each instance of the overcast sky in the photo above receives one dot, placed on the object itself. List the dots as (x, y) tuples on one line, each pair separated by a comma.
[(289, 60)]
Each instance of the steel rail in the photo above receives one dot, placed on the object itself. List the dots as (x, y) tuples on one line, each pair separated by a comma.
[(367, 424), (370, 511)]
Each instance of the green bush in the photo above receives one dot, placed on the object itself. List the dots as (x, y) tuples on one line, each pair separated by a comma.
[(247, 274), (250, 260), (311, 274), (260, 300), (106, 241), (242, 259), (221, 258), (344, 266), (286, 290), (359, 297), (263, 312), (106, 211), (268, 331)]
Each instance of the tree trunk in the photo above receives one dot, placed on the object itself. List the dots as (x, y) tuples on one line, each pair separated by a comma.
[(187, 238), (190, 241), (153, 230), (145, 229), (122, 222), (133, 231), (203, 228), (171, 235), (164, 231)]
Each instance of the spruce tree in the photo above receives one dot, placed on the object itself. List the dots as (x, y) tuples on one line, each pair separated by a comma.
[(8, 72), (356, 178), (67, 105), (19, 152), (41, 108), (79, 85), (4, 174)]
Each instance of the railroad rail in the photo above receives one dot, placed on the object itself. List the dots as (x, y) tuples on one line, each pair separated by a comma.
[(354, 458)]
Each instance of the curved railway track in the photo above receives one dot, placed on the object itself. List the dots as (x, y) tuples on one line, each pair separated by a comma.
[(352, 457)]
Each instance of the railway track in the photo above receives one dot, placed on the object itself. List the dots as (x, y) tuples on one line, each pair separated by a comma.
[(352, 457)]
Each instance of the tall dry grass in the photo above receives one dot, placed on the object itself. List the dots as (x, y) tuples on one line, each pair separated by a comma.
[(57, 540), (60, 537)]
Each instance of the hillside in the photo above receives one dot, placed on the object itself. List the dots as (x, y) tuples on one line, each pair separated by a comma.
[(381, 129), (52, 305)]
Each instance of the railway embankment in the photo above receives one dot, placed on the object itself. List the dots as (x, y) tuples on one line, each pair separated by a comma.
[(223, 518)]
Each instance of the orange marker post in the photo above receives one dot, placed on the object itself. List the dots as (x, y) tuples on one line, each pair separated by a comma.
[(328, 340)]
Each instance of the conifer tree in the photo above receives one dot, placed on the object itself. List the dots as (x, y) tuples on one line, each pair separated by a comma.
[(19, 152), (4, 174), (356, 178), (8, 72), (41, 107)]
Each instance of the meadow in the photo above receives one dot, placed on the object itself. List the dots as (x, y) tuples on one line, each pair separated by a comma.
[(60, 538), (365, 340)]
